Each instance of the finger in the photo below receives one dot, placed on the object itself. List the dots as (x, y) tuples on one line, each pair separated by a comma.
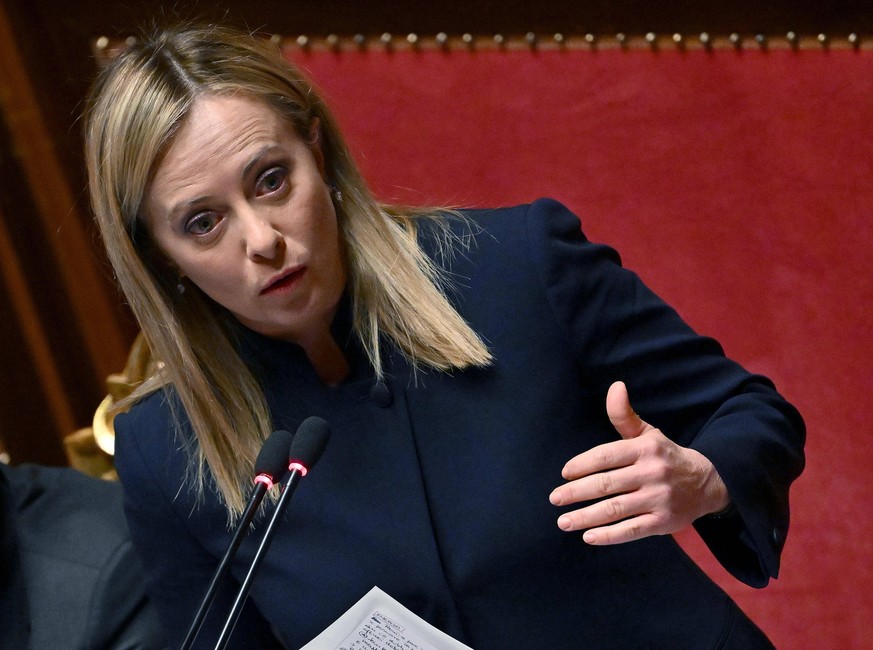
[(596, 486), (625, 531), (621, 414), (608, 511), (610, 455)]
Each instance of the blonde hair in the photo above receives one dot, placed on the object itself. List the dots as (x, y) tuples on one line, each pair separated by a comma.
[(137, 104)]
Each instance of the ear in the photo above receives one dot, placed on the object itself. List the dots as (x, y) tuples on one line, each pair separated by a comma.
[(315, 146)]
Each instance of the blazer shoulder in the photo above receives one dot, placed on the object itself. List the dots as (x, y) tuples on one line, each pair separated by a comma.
[(82, 511), (148, 440), (151, 425), (549, 215)]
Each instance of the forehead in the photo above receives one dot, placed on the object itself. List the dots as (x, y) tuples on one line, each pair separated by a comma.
[(219, 131)]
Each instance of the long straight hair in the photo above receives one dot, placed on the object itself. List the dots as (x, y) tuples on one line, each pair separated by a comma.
[(137, 104)]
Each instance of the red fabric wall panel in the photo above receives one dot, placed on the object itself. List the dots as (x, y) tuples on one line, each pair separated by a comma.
[(737, 184)]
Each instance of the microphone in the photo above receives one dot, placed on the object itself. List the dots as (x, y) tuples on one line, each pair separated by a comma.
[(270, 467), (307, 447)]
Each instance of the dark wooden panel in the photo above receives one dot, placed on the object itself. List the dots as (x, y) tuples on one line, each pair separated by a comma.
[(62, 335), (33, 404)]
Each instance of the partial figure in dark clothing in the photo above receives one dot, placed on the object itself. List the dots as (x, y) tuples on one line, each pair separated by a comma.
[(70, 577)]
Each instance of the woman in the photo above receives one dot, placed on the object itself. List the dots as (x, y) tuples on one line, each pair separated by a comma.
[(462, 360)]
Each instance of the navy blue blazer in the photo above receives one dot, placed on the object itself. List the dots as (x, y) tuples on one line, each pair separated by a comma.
[(435, 486)]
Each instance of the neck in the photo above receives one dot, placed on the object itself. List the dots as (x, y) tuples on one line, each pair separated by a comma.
[(327, 358)]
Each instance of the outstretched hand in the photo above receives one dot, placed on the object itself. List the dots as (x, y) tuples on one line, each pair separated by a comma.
[(646, 483)]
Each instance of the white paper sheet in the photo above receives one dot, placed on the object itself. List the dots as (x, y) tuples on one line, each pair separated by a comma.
[(378, 622)]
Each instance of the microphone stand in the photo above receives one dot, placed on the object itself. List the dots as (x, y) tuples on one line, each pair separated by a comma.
[(241, 530), (297, 472), (271, 462)]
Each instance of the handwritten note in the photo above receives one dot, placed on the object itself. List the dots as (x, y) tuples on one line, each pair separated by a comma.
[(380, 632), (378, 622)]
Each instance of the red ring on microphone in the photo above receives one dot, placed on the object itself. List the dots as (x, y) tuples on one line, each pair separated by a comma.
[(265, 479), (298, 466)]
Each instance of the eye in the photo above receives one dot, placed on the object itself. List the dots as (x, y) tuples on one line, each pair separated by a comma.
[(202, 223), (271, 181)]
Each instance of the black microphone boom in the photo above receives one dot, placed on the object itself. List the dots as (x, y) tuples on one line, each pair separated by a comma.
[(309, 443), (270, 467)]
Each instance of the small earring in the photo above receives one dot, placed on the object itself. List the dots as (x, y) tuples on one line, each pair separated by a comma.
[(337, 194), (180, 287)]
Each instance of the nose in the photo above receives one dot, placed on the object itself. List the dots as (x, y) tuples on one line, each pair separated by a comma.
[(261, 238)]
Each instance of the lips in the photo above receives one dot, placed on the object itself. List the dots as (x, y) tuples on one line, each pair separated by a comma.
[(284, 280)]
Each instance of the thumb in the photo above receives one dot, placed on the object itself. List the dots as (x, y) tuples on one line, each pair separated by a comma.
[(623, 418)]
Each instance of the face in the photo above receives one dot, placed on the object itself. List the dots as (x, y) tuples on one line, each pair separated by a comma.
[(240, 207)]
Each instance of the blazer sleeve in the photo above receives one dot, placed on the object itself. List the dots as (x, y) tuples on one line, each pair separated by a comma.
[(679, 381), (168, 525)]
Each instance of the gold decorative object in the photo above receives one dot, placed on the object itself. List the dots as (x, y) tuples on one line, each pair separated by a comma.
[(90, 450)]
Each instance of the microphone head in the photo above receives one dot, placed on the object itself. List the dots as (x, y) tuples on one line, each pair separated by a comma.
[(273, 457), (309, 442)]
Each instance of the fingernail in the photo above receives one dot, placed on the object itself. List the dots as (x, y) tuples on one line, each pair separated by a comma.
[(555, 498), (589, 537), (565, 523)]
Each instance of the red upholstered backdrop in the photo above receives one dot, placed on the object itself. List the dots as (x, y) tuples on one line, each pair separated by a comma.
[(738, 184)]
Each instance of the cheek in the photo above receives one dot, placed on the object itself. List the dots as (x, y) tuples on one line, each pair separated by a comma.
[(216, 278), (322, 229), (332, 246), (164, 251), (179, 264)]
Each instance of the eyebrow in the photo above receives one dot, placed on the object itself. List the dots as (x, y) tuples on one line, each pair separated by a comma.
[(184, 206), (258, 156)]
